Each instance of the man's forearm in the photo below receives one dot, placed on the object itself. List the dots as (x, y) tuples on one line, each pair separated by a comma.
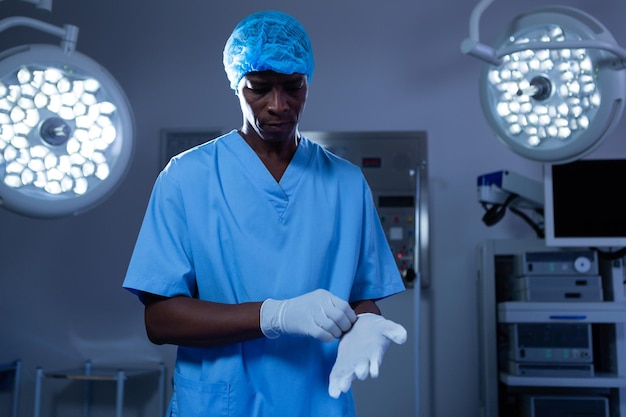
[(191, 322)]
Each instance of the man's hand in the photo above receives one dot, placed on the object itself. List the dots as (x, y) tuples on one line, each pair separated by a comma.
[(318, 314), (361, 351)]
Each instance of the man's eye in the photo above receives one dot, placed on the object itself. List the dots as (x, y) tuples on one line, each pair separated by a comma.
[(294, 87)]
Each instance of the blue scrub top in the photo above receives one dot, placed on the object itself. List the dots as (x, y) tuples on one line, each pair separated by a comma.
[(220, 228)]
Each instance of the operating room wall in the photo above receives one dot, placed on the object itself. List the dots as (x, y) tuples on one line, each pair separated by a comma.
[(393, 65)]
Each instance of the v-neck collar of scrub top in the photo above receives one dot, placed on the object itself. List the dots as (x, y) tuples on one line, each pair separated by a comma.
[(279, 193)]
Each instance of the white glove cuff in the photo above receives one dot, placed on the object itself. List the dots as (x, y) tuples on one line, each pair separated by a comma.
[(271, 311), (365, 317)]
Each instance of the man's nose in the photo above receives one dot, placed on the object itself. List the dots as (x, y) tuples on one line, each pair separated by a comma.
[(278, 100)]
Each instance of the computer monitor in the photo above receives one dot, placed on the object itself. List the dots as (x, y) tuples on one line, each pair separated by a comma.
[(584, 203)]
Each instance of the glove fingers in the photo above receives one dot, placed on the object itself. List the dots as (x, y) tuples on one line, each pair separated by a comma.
[(328, 325), (335, 317), (339, 383), (342, 314), (395, 332), (346, 382), (361, 370), (374, 367), (340, 319), (334, 391)]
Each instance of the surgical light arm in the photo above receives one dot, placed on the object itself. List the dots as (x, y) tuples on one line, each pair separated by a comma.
[(68, 33), (473, 46), (502, 190), (496, 187)]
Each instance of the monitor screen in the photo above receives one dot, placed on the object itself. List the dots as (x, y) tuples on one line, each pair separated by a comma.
[(584, 203)]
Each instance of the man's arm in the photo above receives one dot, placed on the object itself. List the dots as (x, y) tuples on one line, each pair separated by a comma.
[(191, 322)]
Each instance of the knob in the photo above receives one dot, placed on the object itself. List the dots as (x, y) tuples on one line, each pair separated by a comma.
[(582, 265)]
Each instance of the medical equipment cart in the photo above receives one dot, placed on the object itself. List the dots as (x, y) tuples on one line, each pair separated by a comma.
[(509, 384)]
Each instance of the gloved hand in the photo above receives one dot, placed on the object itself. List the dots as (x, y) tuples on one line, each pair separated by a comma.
[(319, 314), (361, 351)]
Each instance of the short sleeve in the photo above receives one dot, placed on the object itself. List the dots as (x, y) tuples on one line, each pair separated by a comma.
[(161, 262)]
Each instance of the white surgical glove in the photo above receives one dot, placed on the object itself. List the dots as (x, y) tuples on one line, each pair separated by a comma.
[(361, 351), (318, 314)]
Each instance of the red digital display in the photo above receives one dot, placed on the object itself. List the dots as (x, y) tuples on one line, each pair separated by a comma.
[(372, 162)]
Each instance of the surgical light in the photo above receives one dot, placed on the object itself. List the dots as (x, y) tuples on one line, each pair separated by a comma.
[(555, 84), (66, 128)]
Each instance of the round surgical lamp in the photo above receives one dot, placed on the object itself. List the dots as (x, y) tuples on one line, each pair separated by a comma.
[(66, 127), (554, 86)]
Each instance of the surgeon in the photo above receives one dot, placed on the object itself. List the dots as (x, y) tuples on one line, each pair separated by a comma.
[(261, 255)]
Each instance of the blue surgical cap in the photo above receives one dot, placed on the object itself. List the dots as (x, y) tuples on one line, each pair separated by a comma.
[(268, 40)]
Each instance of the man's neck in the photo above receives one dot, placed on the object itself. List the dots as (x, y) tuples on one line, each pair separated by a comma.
[(276, 155)]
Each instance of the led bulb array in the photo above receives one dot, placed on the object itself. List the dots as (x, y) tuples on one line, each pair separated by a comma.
[(55, 130), (543, 94)]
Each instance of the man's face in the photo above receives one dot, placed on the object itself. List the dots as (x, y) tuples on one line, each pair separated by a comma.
[(272, 103)]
